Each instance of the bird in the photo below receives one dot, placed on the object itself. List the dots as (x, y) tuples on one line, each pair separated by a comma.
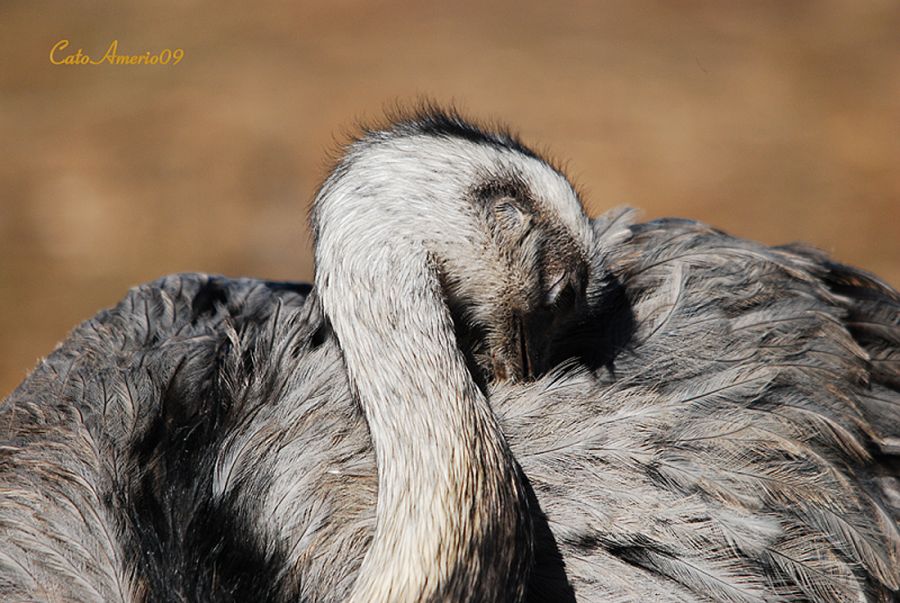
[(592, 410), (218, 440)]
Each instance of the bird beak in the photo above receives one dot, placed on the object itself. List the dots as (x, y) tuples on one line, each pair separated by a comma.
[(525, 359), (510, 357), (521, 359)]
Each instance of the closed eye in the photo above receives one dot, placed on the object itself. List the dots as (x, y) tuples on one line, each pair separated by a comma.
[(561, 293)]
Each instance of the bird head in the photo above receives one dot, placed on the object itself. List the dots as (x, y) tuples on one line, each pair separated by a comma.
[(503, 230), (526, 275)]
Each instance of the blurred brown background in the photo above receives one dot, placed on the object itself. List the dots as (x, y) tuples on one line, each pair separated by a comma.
[(775, 120)]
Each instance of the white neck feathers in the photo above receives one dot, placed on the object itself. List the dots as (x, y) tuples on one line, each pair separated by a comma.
[(451, 518)]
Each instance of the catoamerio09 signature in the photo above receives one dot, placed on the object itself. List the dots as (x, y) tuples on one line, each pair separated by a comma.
[(112, 56)]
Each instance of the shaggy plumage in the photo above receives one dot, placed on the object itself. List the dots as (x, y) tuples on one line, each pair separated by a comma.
[(737, 444), (727, 431)]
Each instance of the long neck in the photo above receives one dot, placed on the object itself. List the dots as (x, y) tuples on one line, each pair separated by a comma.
[(452, 522)]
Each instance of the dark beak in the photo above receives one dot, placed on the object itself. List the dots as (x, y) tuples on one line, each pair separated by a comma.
[(525, 361), (531, 333), (526, 348)]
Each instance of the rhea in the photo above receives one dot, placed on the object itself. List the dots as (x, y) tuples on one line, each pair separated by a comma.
[(484, 397), (129, 454), (405, 224)]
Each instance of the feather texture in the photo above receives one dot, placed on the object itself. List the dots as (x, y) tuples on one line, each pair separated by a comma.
[(736, 443)]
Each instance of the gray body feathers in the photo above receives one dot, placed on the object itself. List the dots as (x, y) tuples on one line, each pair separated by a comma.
[(735, 442), (486, 397), (739, 443)]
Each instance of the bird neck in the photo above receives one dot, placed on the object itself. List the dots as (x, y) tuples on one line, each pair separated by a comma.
[(451, 519)]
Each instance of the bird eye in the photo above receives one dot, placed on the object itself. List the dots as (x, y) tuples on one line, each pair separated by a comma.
[(561, 293)]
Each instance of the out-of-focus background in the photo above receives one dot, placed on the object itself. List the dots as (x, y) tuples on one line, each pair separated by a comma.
[(774, 120)]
